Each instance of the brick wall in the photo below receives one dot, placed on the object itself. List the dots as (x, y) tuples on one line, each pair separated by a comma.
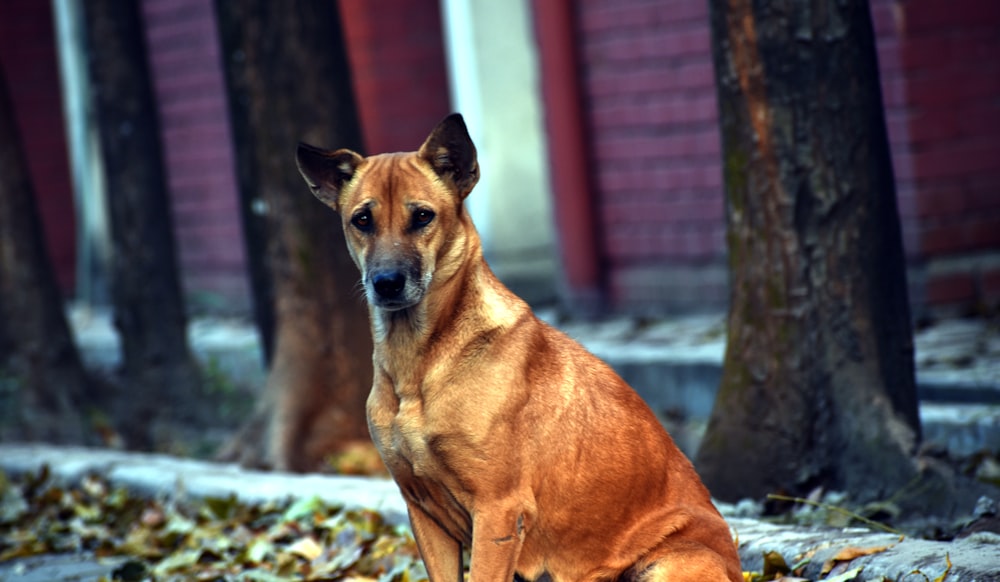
[(396, 52), (29, 61), (189, 86), (887, 20), (950, 53), (648, 89)]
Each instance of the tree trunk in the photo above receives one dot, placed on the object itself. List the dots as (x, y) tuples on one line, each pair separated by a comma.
[(818, 384), (43, 385), (161, 376), (288, 81)]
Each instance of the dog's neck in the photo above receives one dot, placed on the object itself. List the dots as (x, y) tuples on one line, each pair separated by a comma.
[(470, 300)]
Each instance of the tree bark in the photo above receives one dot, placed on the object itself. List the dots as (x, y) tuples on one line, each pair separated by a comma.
[(818, 384), (162, 378), (44, 388), (288, 81)]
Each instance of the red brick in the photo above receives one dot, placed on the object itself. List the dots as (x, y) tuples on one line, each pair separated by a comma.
[(982, 119), (945, 201), (941, 123), (983, 193), (956, 159), (637, 15), (933, 15), (977, 48), (659, 80), (983, 231), (927, 51), (952, 288), (692, 113), (950, 87), (942, 239), (651, 47), (685, 211)]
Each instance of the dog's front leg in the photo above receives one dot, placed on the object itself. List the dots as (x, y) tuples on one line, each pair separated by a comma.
[(497, 536), (442, 554)]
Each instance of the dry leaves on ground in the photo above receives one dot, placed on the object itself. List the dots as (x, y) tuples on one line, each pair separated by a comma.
[(211, 539)]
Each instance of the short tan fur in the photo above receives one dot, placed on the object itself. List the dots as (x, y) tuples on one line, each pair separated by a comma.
[(504, 435)]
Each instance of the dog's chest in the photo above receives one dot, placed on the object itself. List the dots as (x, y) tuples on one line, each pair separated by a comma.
[(415, 448)]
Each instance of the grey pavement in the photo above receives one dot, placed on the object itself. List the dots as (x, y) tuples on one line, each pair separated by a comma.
[(976, 558)]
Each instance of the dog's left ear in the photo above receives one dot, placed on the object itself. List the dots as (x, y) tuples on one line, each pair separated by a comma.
[(451, 153), (325, 171)]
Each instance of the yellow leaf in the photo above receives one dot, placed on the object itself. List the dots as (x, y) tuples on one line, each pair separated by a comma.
[(947, 560), (774, 565), (305, 547), (848, 554), (258, 550)]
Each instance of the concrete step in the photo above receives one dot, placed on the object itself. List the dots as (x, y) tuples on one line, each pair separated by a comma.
[(976, 558), (674, 364)]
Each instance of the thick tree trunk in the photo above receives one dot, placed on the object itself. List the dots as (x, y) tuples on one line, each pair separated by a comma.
[(818, 384), (44, 388), (163, 382), (289, 81)]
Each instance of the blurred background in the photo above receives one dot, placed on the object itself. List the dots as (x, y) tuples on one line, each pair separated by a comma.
[(596, 124)]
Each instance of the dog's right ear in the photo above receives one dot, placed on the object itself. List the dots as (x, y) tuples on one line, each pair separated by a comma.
[(326, 171)]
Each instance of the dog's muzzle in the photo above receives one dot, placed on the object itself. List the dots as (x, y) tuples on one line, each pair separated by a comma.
[(389, 285), (393, 289)]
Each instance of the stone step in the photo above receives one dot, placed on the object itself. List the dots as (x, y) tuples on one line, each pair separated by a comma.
[(972, 559)]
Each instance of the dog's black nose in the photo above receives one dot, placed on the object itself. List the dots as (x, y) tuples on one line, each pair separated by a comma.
[(388, 284)]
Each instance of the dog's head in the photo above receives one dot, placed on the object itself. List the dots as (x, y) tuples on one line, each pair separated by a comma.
[(402, 213)]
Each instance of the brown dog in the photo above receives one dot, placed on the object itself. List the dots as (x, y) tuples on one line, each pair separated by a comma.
[(504, 435)]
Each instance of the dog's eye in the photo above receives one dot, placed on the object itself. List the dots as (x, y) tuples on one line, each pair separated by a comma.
[(362, 221), (422, 217)]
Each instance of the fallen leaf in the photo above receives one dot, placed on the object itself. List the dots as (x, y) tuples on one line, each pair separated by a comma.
[(219, 539), (848, 554), (947, 560), (306, 548), (774, 565), (258, 551), (303, 507), (220, 507), (178, 561)]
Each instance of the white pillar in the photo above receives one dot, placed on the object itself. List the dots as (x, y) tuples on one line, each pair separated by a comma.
[(493, 71), (93, 242)]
